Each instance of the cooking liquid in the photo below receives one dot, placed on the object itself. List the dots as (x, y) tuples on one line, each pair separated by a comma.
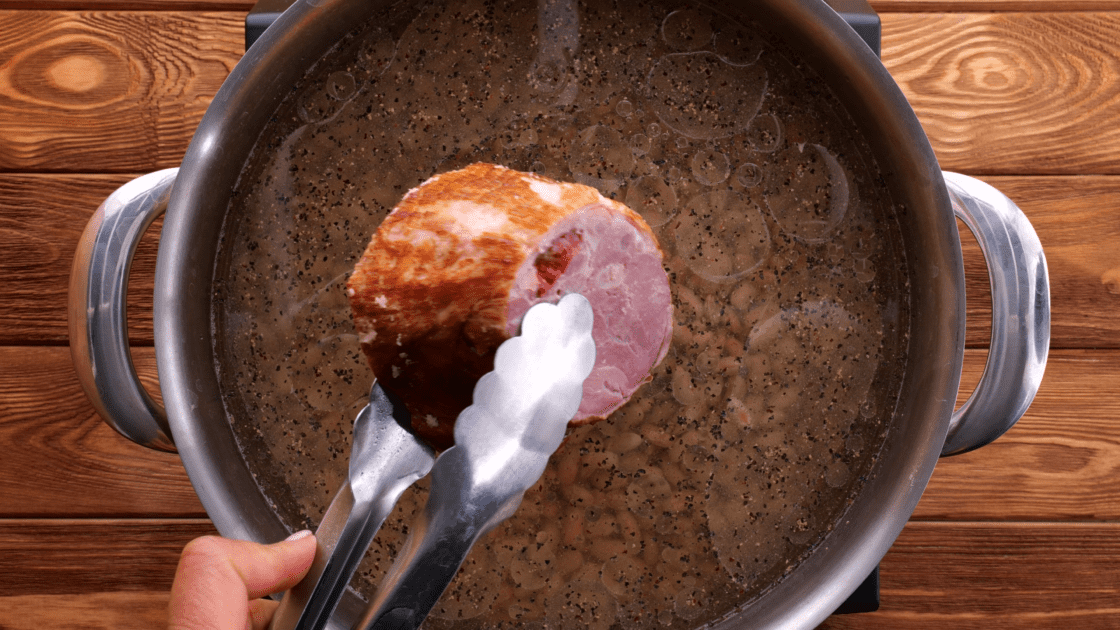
[(789, 287)]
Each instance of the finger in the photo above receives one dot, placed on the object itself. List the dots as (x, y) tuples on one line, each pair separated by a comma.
[(261, 611), (217, 577)]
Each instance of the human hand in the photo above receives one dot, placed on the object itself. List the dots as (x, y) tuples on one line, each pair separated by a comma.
[(219, 581)]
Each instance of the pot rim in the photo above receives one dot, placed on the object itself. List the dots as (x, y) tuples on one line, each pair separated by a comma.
[(833, 571)]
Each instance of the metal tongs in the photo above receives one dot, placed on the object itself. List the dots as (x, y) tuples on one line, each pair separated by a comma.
[(502, 443)]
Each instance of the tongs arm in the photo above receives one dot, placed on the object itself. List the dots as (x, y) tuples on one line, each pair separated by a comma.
[(502, 445), (357, 511), (458, 513)]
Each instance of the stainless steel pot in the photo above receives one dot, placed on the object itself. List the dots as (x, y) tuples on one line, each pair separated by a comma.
[(195, 197)]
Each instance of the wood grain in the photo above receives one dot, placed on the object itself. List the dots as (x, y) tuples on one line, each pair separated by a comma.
[(42, 220), (67, 557), (88, 92), (240, 7), (1020, 534), (108, 92), (1078, 222), (1075, 218), (986, 6), (951, 575), (997, 575), (1059, 463), (1012, 93), (881, 6), (122, 610), (61, 459)]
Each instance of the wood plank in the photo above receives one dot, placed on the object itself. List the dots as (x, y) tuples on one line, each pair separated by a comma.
[(1060, 462), (97, 92), (937, 575), (66, 557), (1076, 219), (123, 610), (40, 226), (1078, 222), (997, 575), (240, 7), (61, 459), (965, 6), (881, 6), (108, 92), (1018, 93)]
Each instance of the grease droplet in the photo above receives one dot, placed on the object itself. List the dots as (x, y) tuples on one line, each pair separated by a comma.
[(652, 198), (810, 196), (639, 144), (601, 159), (721, 235), (686, 30), (749, 175), (702, 96), (765, 133), (710, 167), (341, 85)]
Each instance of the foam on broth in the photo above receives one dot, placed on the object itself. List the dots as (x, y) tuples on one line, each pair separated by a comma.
[(789, 286)]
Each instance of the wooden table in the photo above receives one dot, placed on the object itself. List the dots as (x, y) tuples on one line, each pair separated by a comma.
[(1025, 94)]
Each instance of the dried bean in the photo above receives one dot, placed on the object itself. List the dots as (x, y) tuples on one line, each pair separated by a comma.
[(624, 442), (567, 467), (569, 562), (657, 435), (603, 549), (572, 533)]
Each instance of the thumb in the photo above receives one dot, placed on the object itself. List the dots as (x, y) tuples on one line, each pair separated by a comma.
[(217, 577)]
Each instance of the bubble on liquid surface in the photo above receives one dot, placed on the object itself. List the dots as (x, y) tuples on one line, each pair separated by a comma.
[(316, 106), (710, 167), (837, 474), (690, 602), (748, 175), (341, 85), (721, 235), (737, 510), (687, 30), (808, 193), (652, 198), (864, 270), (625, 108), (818, 348), (736, 43), (601, 158), (550, 75), (702, 96), (765, 133), (639, 144)]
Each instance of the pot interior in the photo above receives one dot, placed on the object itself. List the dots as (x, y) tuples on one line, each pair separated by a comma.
[(790, 222)]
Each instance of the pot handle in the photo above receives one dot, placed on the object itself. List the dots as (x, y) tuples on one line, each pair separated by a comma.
[(96, 310), (1020, 314)]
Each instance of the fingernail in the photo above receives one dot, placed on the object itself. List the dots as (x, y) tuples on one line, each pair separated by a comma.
[(303, 533)]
